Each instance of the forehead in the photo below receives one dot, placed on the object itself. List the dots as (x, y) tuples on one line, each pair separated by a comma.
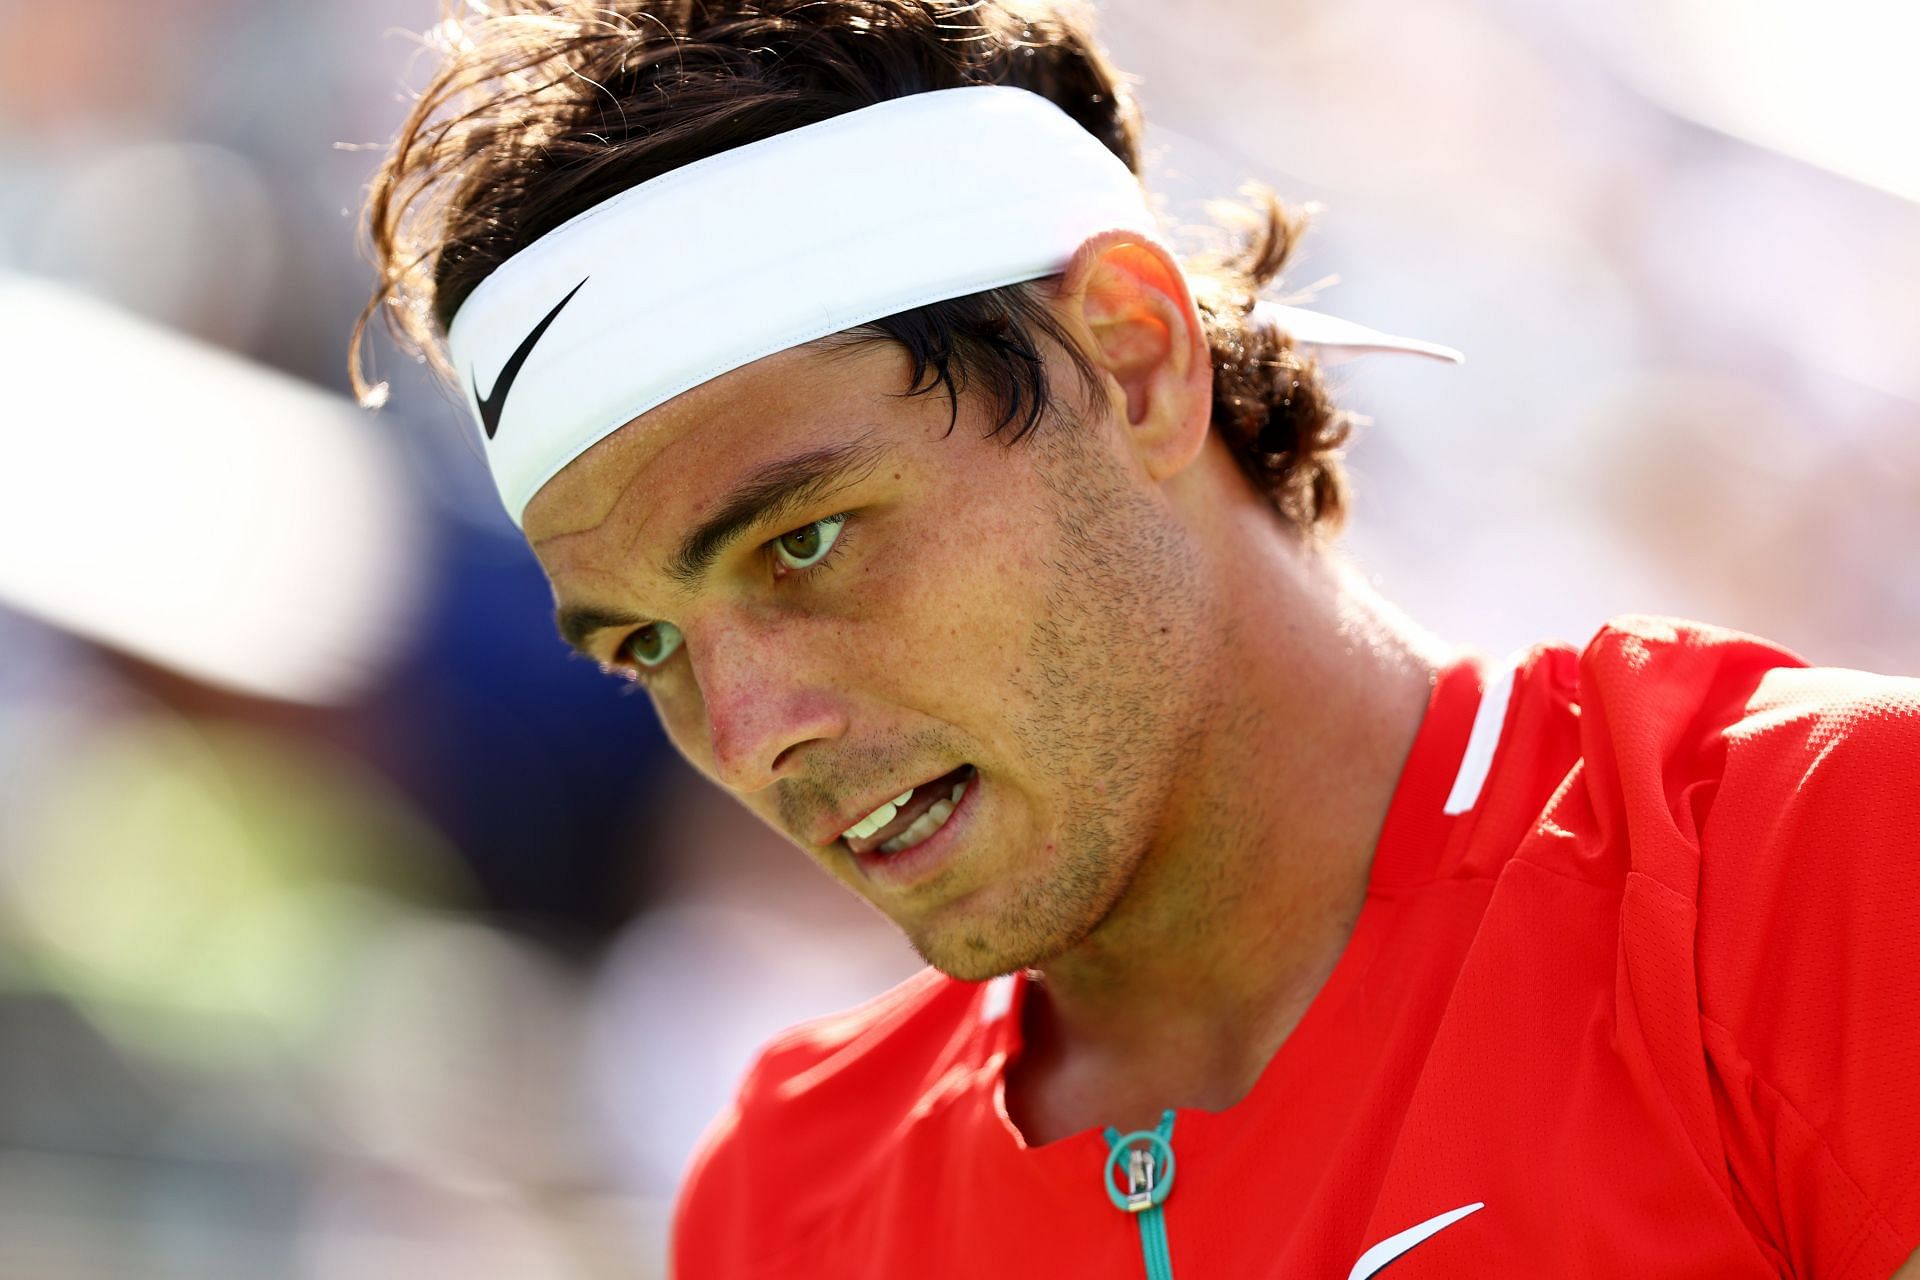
[(669, 464)]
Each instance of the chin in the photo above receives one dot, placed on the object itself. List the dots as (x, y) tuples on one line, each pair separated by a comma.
[(972, 954), (1023, 926), (971, 971)]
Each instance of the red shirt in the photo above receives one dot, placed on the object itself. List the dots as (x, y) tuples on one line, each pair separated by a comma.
[(1638, 973)]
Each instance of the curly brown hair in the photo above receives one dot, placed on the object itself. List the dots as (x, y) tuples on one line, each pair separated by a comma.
[(540, 109)]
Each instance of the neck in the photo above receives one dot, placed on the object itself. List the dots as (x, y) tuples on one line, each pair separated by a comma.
[(1239, 912)]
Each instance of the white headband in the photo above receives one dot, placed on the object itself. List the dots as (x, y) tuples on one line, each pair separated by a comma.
[(752, 251)]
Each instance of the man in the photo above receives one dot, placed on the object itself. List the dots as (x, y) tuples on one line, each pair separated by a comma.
[(828, 357)]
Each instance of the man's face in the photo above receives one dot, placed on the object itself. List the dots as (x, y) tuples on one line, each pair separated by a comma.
[(1019, 619)]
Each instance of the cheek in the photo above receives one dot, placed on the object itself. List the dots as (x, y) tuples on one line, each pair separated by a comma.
[(683, 715), (953, 627)]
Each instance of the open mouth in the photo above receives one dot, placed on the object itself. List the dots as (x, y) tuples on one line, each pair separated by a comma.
[(915, 817)]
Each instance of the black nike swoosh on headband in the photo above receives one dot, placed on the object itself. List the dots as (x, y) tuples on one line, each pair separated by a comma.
[(493, 402)]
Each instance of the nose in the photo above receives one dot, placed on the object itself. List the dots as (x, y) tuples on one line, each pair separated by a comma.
[(764, 702)]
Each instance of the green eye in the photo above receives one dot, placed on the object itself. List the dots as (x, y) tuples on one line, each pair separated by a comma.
[(653, 644), (808, 546)]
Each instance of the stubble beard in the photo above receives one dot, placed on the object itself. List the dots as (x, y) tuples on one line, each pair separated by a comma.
[(1114, 694)]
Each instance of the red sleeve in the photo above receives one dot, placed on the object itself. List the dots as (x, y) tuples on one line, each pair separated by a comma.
[(744, 1203), (811, 1116), (706, 1245), (1769, 978), (1808, 955)]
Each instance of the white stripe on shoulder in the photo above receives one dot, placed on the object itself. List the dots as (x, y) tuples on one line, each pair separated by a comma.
[(1488, 721), (997, 999)]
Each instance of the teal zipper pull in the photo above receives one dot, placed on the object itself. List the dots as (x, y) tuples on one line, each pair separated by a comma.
[(1144, 1161)]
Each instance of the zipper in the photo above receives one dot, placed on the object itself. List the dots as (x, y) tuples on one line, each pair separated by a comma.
[(1143, 1161)]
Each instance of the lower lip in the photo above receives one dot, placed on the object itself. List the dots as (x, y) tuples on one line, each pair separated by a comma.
[(926, 859)]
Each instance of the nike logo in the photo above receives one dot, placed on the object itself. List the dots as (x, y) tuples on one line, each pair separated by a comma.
[(1375, 1260), (494, 401)]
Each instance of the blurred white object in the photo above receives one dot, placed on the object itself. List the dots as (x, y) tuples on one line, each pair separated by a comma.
[(1830, 84), (175, 502), (183, 233)]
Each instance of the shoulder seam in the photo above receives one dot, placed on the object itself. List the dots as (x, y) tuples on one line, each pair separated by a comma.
[(1876, 1214)]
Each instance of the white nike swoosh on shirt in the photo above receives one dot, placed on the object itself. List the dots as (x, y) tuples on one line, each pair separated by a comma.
[(1392, 1247)]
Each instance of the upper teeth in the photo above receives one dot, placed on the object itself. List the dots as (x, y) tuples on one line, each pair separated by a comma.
[(878, 818), (927, 823)]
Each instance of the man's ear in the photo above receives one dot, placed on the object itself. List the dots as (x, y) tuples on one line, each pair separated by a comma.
[(1141, 328)]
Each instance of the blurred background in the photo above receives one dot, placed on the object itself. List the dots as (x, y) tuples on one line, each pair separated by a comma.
[(348, 929)]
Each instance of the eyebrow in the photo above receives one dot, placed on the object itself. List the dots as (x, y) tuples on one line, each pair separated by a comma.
[(577, 622), (762, 496)]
